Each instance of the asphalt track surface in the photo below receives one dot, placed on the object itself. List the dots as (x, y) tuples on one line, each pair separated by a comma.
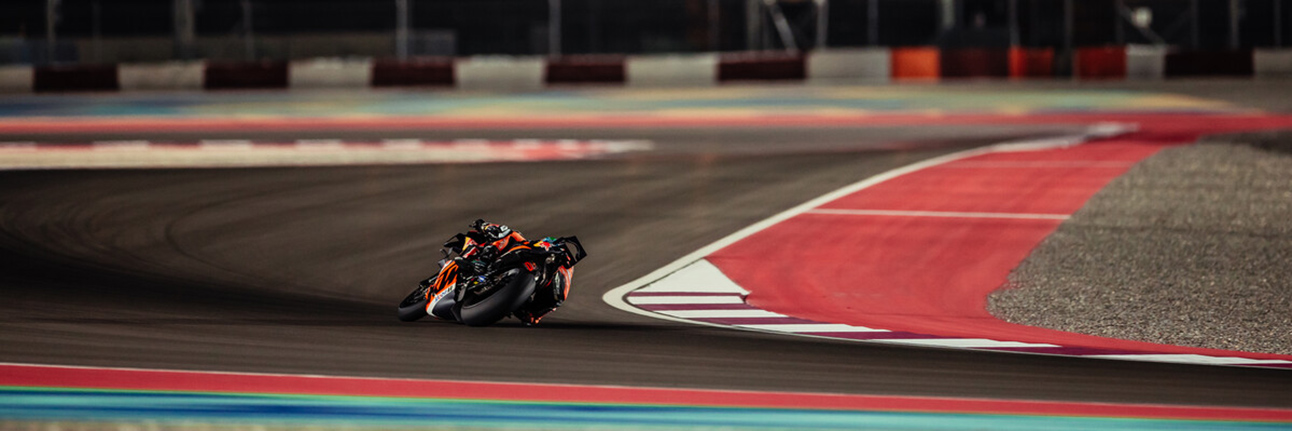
[(297, 270)]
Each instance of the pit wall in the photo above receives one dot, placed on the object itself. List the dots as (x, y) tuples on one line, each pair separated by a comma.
[(502, 73)]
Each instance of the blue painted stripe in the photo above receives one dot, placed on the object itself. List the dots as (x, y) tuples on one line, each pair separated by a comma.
[(108, 405)]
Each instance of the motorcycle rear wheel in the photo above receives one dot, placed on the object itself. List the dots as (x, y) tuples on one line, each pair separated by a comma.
[(517, 287), (413, 307)]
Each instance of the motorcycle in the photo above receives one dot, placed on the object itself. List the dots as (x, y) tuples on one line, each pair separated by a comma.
[(527, 278)]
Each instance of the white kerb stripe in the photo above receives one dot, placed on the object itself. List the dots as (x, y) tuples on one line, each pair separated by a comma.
[(705, 314), (121, 145), (1193, 359), (812, 327), (402, 144), (964, 343), (224, 144), (319, 144), (18, 146), (470, 143), (937, 214), (700, 276), (659, 300)]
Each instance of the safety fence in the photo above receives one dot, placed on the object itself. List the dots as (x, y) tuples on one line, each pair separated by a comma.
[(528, 73)]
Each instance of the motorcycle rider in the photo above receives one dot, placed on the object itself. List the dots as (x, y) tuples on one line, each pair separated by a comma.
[(477, 248)]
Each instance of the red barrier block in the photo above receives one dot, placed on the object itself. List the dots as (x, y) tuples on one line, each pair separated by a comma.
[(1209, 63), (585, 69), (1031, 62), (414, 73), (916, 63), (762, 67), (76, 78), (265, 74), (975, 63), (1102, 62)]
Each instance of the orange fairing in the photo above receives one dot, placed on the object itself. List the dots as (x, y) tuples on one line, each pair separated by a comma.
[(515, 239), (447, 278)]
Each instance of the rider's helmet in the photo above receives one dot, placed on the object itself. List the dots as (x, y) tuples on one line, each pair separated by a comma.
[(491, 231)]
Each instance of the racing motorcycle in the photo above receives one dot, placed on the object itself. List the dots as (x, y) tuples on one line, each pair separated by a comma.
[(528, 278)]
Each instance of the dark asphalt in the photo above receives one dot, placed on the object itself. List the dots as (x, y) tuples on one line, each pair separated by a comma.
[(298, 270)]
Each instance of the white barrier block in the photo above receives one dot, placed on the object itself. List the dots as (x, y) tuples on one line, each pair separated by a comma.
[(1145, 62), (672, 70), (864, 64), (1272, 62), (17, 79), (161, 76), (500, 73), (330, 73)]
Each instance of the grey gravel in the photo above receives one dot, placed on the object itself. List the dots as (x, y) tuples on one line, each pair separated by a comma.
[(1191, 247)]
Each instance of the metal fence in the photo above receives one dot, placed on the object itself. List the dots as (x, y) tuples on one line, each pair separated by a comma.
[(108, 31)]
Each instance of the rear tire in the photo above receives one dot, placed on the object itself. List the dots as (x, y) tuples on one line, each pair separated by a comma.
[(413, 307), (489, 310)]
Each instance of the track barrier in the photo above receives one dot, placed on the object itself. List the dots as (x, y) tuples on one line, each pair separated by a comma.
[(269, 74), (672, 70), (332, 73), (1209, 63), (75, 78), (511, 73), (871, 65), (161, 76), (762, 67), (424, 73), (1104, 62), (1031, 62), (916, 63), (975, 63), (586, 70)]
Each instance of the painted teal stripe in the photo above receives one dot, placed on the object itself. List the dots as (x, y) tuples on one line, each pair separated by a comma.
[(77, 405)]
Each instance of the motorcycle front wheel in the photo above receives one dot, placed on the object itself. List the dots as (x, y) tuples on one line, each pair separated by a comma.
[(413, 307)]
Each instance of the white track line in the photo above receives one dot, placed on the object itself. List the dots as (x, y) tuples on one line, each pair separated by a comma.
[(121, 145), (320, 144), (960, 343), (1193, 359), (812, 327), (401, 144), (666, 300), (18, 146), (1041, 164), (720, 314), (938, 214), (225, 144)]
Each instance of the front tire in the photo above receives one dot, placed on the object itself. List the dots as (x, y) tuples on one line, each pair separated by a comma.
[(517, 288), (413, 307)]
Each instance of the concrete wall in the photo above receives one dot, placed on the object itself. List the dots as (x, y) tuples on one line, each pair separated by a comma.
[(1270, 63), (508, 74), (869, 65), (162, 76), (1145, 62), (330, 73), (16, 79), (501, 73), (672, 70)]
